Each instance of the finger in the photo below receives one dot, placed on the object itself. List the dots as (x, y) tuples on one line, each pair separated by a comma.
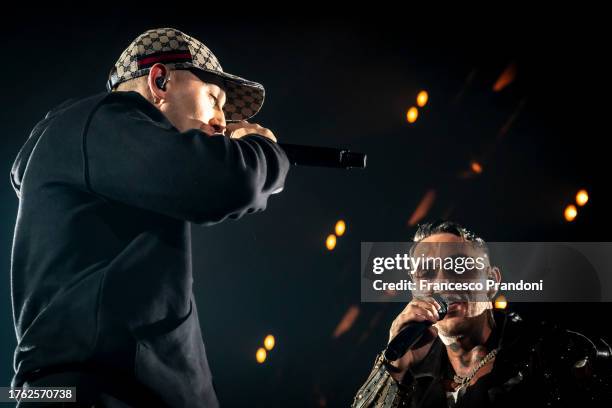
[(429, 300), (420, 317), (414, 318), (422, 311), (398, 325), (434, 301), (430, 303), (414, 315), (429, 308), (237, 134), (409, 308), (268, 133), (414, 305)]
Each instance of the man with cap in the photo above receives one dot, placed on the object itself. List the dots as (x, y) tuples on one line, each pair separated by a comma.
[(101, 273)]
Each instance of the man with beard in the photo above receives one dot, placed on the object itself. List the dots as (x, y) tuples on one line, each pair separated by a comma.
[(478, 357)]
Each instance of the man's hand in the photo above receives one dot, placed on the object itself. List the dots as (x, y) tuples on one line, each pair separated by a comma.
[(243, 128), (417, 310)]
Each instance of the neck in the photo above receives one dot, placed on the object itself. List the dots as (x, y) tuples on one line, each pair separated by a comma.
[(466, 350)]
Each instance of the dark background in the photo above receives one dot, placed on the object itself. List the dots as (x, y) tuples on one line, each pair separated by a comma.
[(348, 82)]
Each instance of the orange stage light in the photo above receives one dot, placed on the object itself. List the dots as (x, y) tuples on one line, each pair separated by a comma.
[(582, 197), (330, 242), (506, 78), (261, 355), (501, 302), (422, 98), (412, 114), (347, 321), (476, 167), (269, 342), (570, 213), (340, 228)]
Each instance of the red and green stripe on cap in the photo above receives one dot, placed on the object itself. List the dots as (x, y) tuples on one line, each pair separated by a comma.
[(163, 57)]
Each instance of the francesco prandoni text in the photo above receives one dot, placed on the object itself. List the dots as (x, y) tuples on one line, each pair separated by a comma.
[(436, 286)]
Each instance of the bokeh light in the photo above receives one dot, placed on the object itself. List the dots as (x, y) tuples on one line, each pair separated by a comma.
[(330, 242), (422, 98), (269, 342), (476, 167), (340, 228), (582, 197), (501, 302), (412, 114), (570, 213), (261, 355)]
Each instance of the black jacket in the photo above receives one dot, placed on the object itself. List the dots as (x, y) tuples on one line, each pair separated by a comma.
[(538, 365), (101, 273)]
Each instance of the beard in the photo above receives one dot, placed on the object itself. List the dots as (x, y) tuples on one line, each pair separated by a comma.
[(470, 318)]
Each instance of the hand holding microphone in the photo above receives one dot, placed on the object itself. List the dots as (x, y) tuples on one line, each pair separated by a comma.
[(243, 128), (301, 155), (412, 333)]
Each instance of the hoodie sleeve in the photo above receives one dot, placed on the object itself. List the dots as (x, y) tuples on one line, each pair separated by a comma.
[(133, 157)]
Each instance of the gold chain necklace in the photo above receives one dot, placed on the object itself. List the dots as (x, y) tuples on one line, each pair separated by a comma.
[(463, 381)]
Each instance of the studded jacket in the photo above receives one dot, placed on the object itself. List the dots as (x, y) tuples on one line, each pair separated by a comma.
[(536, 366)]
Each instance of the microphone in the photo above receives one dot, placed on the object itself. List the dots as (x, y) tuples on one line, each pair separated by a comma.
[(300, 155), (412, 333)]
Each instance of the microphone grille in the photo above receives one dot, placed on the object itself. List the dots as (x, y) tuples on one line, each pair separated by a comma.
[(443, 305)]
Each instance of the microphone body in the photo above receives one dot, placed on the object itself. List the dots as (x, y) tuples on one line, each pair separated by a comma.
[(300, 155), (412, 333)]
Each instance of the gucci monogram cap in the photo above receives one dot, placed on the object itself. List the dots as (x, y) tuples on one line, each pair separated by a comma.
[(178, 50)]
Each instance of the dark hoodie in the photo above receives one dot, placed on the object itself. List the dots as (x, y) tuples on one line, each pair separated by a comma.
[(101, 273)]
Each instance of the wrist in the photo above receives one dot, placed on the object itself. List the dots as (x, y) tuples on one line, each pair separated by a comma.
[(402, 376)]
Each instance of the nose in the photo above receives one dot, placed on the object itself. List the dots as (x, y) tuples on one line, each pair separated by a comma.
[(217, 122)]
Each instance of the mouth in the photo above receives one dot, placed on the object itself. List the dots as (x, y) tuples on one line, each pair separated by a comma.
[(456, 309), (454, 306)]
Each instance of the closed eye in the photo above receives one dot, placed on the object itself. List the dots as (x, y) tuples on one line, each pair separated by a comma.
[(214, 100)]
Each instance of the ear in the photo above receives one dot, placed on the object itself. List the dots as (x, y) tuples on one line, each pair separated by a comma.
[(156, 73), (494, 274)]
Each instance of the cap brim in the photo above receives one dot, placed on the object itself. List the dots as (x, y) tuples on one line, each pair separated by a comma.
[(244, 98)]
